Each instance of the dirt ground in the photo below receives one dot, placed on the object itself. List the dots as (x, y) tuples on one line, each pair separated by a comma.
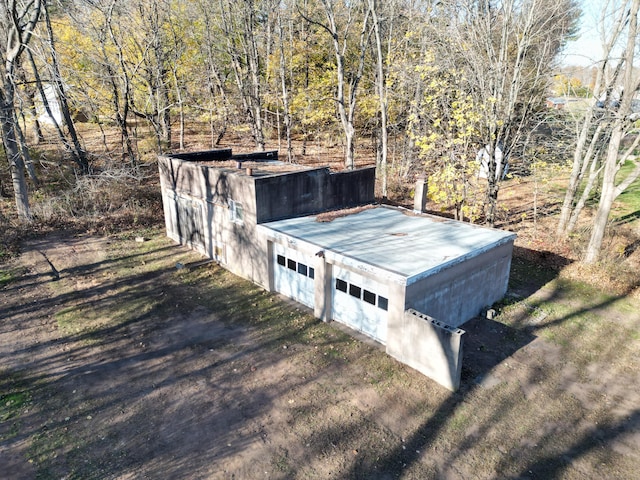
[(123, 359)]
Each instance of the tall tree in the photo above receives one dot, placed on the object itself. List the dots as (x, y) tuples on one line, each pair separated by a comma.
[(340, 20), (613, 184), (18, 21), (239, 29), (594, 125), (285, 83), (505, 50), (74, 147), (381, 83)]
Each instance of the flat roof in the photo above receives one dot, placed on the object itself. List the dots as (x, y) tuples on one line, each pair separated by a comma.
[(396, 240)]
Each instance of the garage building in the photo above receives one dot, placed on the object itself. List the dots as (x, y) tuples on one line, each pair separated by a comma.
[(407, 279)]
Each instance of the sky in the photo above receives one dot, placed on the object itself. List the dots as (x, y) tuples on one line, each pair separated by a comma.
[(586, 49)]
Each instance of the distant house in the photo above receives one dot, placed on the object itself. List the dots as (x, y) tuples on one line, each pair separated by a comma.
[(404, 278), (556, 103)]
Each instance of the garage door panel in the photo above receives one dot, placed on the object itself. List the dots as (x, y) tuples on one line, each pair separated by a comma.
[(360, 302), (293, 275)]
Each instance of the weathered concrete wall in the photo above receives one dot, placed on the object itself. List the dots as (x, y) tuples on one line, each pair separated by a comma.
[(183, 201), (458, 293), (245, 250), (235, 244), (430, 346), (306, 192), (182, 177)]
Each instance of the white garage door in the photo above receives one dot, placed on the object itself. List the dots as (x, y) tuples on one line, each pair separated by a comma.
[(293, 274), (360, 302)]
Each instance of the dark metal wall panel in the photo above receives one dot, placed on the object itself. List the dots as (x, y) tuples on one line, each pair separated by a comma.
[(312, 191)]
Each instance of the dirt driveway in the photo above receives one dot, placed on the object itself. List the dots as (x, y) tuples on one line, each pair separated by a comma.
[(124, 359)]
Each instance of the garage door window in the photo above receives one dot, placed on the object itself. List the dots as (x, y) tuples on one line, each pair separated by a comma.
[(358, 292), (383, 303), (298, 267), (369, 297)]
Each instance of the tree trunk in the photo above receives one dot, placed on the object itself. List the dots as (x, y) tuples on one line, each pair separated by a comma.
[(285, 90), (382, 96), (593, 175), (121, 117), (606, 199), (19, 31), (253, 64), (24, 149), (614, 160), (574, 180), (16, 163), (78, 152)]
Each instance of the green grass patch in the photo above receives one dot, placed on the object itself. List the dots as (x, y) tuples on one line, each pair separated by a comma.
[(571, 314), (13, 403), (91, 320), (6, 277), (627, 208), (9, 276)]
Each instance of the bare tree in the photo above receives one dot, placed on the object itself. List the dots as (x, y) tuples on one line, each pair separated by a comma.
[(347, 79), (239, 23), (18, 21), (612, 184), (505, 50), (74, 147), (381, 88), (596, 120), (284, 85)]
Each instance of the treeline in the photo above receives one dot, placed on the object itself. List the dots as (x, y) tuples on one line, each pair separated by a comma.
[(434, 85), (443, 79)]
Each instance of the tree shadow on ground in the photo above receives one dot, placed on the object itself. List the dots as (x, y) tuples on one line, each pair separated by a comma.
[(532, 269), (487, 344), (194, 386), (626, 219), (161, 388)]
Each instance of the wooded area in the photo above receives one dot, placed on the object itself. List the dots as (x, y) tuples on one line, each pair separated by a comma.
[(433, 87)]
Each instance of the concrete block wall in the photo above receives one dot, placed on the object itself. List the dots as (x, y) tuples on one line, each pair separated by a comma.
[(350, 188), (430, 346), (290, 195), (480, 281)]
